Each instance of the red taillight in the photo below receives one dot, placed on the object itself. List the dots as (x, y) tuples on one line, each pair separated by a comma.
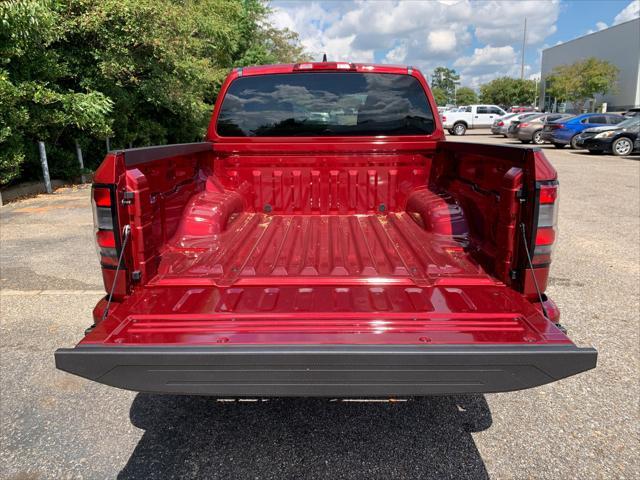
[(106, 239), (104, 223), (546, 224), (556, 126), (548, 194), (444, 119), (501, 124), (545, 236), (102, 197)]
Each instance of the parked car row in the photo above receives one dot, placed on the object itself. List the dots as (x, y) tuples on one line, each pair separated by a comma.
[(529, 129), (566, 132), (501, 125), (596, 132)]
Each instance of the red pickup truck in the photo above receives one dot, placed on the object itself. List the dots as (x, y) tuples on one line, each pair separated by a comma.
[(325, 240)]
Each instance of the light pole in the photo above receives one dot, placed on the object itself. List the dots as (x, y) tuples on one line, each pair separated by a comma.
[(524, 45)]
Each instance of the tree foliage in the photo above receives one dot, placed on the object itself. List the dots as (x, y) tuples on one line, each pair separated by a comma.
[(582, 80), (37, 102), (466, 96), (138, 71), (440, 96), (508, 91), (445, 79)]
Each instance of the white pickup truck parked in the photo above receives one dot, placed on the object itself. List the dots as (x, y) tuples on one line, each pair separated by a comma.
[(473, 116)]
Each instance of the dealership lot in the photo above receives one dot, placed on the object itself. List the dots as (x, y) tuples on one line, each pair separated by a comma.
[(55, 425)]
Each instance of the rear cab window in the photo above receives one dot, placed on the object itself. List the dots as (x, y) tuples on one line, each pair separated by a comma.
[(325, 104)]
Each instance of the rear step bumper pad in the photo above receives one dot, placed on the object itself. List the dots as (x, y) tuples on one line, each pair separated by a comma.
[(326, 371)]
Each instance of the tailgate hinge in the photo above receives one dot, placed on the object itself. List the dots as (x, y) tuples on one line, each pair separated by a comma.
[(561, 327)]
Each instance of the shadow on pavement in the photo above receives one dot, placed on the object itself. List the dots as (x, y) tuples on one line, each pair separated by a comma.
[(631, 156), (198, 437)]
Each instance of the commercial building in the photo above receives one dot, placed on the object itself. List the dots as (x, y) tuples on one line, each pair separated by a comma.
[(619, 45)]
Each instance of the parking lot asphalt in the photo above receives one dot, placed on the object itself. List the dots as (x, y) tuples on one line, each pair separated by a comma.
[(54, 425)]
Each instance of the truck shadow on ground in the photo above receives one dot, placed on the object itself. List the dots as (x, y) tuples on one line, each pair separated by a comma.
[(199, 437)]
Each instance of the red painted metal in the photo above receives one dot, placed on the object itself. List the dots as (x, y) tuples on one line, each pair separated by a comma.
[(309, 246), (324, 183), (374, 314), (331, 240)]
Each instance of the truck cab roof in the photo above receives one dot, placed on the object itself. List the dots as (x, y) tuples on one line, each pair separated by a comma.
[(319, 66)]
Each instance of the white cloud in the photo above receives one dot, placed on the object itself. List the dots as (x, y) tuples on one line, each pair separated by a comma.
[(442, 41), (630, 12), (396, 54), (599, 26), (499, 23), (311, 20), (488, 56), (342, 49), (474, 81), (421, 33), (429, 31), (491, 62)]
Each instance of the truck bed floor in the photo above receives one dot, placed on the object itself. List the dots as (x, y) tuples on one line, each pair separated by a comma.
[(323, 248)]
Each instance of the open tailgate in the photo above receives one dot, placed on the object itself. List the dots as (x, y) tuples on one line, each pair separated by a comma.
[(326, 340)]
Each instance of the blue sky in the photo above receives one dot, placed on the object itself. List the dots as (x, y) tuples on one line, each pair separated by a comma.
[(480, 39)]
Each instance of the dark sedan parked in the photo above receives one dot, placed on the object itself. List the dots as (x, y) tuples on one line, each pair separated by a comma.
[(619, 139), (567, 131)]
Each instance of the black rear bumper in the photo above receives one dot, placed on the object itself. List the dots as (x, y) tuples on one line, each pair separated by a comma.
[(325, 371)]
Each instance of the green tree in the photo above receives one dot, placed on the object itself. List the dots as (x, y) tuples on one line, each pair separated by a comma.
[(37, 100), (446, 79), (466, 96), (508, 91), (440, 96), (138, 71), (582, 81)]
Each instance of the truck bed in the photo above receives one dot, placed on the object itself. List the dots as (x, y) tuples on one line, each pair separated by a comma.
[(345, 274), (309, 249), (357, 312)]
